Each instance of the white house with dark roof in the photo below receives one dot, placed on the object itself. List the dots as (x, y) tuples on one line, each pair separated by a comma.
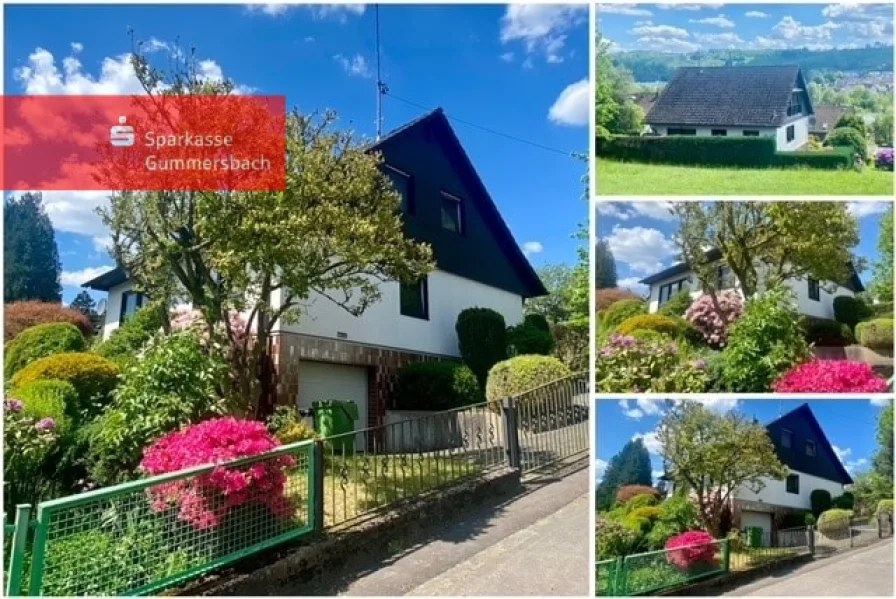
[(740, 101)]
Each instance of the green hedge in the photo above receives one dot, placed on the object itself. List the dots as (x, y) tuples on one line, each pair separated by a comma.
[(827, 333), (876, 334), (435, 386), (522, 374), (39, 342), (744, 152)]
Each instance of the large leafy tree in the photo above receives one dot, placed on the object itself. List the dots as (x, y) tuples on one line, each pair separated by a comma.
[(615, 112), (713, 455), (558, 280), (766, 243), (605, 265), (883, 459), (882, 283), (84, 303), (31, 267), (335, 231), (631, 466)]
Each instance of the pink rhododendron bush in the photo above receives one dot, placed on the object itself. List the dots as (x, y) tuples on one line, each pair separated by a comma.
[(830, 376), (692, 548), (203, 501), (706, 319)]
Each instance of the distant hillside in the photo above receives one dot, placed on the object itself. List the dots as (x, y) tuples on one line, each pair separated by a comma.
[(657, 66)]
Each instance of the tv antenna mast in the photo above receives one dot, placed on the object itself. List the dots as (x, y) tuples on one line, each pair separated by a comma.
[(381, 88)]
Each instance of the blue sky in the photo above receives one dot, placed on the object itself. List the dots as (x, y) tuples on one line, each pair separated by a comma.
[(640, 236), (692, 27), (849, 424), (521, 70)]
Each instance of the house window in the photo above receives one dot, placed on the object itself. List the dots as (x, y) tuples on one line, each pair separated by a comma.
[(670, 289), (678, 131), (795, 107), (786, 438), (751, 133), (414, 299), (719, 132), (810, 448), (793, 484), (790, 133), (814, 292), (452, 213), (131, 301), (402, 183), (726, 278)]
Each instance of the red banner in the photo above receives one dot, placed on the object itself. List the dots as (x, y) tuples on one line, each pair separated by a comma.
[(143, 143)]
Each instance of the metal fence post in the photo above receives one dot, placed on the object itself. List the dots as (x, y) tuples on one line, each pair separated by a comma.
[(317, 485), (616, 579), (810, 534), (512, 433), (17, 559), (726, 554), (880, 528), (851, 543)]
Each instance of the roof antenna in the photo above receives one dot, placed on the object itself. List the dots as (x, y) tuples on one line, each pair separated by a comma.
[(381, 87)]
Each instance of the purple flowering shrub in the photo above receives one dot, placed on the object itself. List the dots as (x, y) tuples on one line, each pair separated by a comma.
[(706, 319), (883, 160), (628, 364), (26, 442)]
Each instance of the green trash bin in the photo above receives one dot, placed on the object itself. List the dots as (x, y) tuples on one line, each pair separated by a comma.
[(336, 417)]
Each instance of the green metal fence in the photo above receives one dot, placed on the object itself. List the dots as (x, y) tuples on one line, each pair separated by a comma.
[(142, 536), (654, 571)]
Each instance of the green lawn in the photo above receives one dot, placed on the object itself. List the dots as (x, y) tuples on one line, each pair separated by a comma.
[(630, 178)]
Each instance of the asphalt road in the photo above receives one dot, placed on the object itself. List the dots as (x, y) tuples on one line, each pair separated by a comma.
[(858, 573)]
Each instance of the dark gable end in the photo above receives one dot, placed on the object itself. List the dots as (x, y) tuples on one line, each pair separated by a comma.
[(729, 97), (804, 426), (486, 252)]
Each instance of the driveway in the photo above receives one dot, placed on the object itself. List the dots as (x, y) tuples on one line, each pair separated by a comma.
[(858, 573)]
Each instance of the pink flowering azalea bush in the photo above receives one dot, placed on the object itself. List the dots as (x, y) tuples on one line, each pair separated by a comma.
[(203, 501), (694, 548), (830, 376), (706, 319)]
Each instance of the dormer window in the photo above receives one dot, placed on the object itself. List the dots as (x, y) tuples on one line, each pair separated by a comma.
[(402, 183), (795, 107), (810, 448), (452, 213)]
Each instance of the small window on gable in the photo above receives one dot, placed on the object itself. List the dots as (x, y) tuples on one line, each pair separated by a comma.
[(414, 299), (452, 213), (750, 133), (719, 132), (403, 184), (793, 484), (814, 293), (786, 438), (810, 448), (131, 301)]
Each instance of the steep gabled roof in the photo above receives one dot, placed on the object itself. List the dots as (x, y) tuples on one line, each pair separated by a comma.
[(728, 96), (803, 424)]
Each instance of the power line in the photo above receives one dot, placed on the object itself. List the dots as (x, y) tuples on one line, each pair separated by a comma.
[(528, 142)]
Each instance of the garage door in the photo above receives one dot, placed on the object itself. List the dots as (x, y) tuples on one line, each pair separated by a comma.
[(319, 381), (760, 519)]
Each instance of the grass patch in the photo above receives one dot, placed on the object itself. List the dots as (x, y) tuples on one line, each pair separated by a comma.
[(630, 178)]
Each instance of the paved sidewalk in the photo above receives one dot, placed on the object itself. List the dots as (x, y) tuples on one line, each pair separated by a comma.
[(858, 573), (536, 543)]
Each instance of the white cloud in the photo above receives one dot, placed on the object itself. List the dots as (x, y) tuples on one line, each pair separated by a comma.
[(77, 47), (719, 21), (572, 106), (273, 10), (858, 11), (755, 14), (719, 39), (627, 210), (792, 30), (542, 28), (880, 402), (852, 465), (532, 247), (633, 284), (690, 7), (863, 209), (643, 406), (651, 442), (76, 278), (339, 12), (842, 454), (643, 249), (630, 412), (600, 466), (659, 31), (630, 10), (667, 44), (507, 57), (356, 66), (614, 210), (717, 404)]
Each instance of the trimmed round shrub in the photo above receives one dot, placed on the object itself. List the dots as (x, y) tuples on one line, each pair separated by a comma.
[(820, 500), (847, 501), (93, 377), (650, 322), (704, 317), (848, 137), (627, 493), (678, 304), (127, 340), (622, 311), (850, 310), (642, 500), (884, 506), (522, 374), (691, 550), (538, 321), (39, 342), (48, 399), (607, 297), (834, 522), (19, 316), (852, 121), (613, 538), (876, 334), (435, 386), (822, 332), (651, 512), (526, 339), (482, 340), (830, 376)]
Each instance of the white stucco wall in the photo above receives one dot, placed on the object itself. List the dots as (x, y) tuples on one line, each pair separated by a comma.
[(801, 135), (775, 491), (383, 324), (113, 307)]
